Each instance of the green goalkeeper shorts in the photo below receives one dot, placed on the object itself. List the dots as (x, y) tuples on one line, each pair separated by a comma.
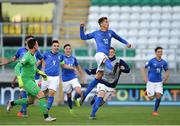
[(31, 87)]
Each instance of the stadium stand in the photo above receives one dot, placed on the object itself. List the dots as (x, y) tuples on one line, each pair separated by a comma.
[(145, 23)]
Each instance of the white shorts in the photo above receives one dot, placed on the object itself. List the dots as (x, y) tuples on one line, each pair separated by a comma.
[(99, 59), (51, 83), (37, 81), (108, 90), (154, 87), (68, 86)]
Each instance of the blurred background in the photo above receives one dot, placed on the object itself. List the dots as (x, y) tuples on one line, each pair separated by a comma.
[(143, 23)]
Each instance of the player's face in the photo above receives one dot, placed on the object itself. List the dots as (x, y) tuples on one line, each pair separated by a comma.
[(105, 24), (159, 53), (36, 46), (111, 53), (55, 47), (67, 50)]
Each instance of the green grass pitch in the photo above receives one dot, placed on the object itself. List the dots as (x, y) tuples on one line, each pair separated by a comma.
[(128, 115)]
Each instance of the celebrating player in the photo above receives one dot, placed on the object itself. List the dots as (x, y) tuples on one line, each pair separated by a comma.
[(103, 43), (53, 60), (154, 81), (69, 79)]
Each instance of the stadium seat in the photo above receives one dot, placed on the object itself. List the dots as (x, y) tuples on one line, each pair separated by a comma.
[(156, 17), (135, 17), (145, 17), (176, 9), (165, 24), (164, 33), (175, 24), (134, 25), (144, 25), (105, 9), (115, 9), (155, 24), (153, 33), (94, 9), (136, 9), (119, 52), (146, 9), (143, 33), (124, 17), (81, 52), (114, 17), (175, 33), (156, 9), (130, 53), (166, 17), (133, 33), (125, 10), (166, 9)]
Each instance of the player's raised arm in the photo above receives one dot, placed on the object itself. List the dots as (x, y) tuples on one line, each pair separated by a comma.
[(116, 36), (80, 71), (84, 36)]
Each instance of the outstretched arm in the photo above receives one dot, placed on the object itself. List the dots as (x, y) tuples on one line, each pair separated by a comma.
[(166, 76), (121, 39), (5, 61), (84, 36)]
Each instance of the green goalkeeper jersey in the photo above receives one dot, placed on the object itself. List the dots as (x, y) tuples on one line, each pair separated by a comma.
[(27, 65)]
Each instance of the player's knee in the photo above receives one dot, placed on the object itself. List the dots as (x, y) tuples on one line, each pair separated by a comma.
[(78, 90), (158, 95), (101, 93), (40, 95), (99, 75), (52, 92)]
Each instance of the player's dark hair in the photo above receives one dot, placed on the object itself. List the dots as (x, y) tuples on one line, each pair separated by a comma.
[(102, 19), (54, 41), (67, 45), (156, 49), (31, 43), (112, 48), (28, 36)]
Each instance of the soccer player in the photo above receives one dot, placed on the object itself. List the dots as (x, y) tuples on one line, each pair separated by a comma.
[(154, 81), (27, 81), (103, 43), (19, 54), (107, 84), (53, 60), (69, 78)]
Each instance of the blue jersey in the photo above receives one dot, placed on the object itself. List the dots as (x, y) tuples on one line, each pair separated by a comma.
[(102, 38), (20, 53), (68, 74), (155, 68), (53, 62)]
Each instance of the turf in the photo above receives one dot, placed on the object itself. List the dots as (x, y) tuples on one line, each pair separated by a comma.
[(106, 116)]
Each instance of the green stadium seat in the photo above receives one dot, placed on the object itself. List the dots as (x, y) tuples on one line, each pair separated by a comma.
[(95, 2), (115, 2), (81, 52), (131, 64), (130, 52), (144, 2), (119, 52)]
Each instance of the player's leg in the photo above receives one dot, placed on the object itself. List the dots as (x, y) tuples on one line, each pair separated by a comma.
[(23, 111), (76, 85), (50, 99), (159, 92), (67, 88), (93, 84), (100, 59), (98, 100), (150, 88), (33, 89)]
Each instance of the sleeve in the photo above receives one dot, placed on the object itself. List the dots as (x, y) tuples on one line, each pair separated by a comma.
[(126, 67), (75, 62), (84, 36), (19, 65), (62, 60), (18, 69), (44, 55), (117, 37), (17, 55), (147, 64), (24, 60), (165, 66), (39, 55)]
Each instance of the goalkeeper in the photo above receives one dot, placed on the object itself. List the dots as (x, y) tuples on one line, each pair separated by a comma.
[(26, 80)]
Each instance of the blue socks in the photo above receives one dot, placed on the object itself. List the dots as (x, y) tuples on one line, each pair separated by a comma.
[(69, 102), (108, 64), (50, 102), (98, 101), (24, 106), (90, 87), (156, 106)]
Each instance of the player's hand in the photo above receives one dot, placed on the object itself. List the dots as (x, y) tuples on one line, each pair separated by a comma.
[(82, 24), (43, 75), (129, 45), (20, 82), (145, 79)]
